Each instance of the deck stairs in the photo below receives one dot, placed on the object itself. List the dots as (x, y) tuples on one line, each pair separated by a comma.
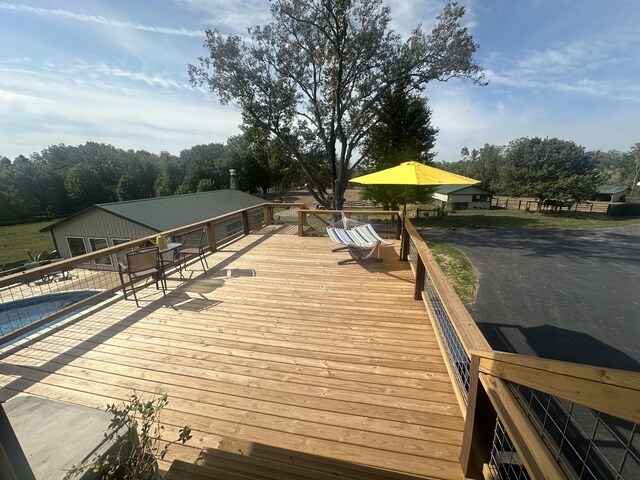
[(236, 459)]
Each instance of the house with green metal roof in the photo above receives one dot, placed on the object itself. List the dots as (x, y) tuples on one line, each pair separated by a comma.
[(612, 193), (109, 224), (463, 197)]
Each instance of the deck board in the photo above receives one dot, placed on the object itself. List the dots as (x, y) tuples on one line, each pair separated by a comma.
[(277, 345)]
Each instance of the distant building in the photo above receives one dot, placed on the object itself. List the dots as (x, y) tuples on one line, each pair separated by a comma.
[(612, 193), (463, 197), (110, 224)]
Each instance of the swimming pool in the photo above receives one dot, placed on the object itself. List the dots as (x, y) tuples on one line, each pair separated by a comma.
[(19, 313)]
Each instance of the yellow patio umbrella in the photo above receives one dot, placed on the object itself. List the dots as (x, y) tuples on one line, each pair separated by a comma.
[(413, 173)]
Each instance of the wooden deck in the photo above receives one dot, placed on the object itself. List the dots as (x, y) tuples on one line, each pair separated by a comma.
[(277, 345)]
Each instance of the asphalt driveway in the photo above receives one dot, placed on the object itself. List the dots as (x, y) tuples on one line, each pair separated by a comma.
[(570, 295)]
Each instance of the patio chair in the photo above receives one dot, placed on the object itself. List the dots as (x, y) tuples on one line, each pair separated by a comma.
[(362, 241), (142, 263), (194, 243)]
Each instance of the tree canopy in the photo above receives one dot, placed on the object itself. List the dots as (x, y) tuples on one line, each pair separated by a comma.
[(315, 75), (64, 179), (402, 134), (550, 169), (547, 168)]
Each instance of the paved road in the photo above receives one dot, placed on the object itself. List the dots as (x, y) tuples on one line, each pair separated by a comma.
[(571, 295)]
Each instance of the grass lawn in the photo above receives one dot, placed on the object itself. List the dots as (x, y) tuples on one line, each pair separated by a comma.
[(522, 219), (458, 269), (15, 240)]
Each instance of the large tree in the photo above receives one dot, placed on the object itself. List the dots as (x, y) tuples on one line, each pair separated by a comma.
[(484, 164), (550, 169), (313, 77), (403, 134), (83, 186)]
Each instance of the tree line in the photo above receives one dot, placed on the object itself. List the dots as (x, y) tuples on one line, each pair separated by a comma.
[(63, 179), (548, 168)]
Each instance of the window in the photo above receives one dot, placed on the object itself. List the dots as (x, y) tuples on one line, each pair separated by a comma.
[(76, 246), (98, 244), (119, 241), (120, 256)]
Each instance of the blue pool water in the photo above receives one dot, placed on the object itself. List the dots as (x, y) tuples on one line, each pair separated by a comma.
[(17, 314)]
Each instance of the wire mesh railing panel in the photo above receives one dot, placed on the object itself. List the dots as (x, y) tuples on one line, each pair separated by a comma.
[(25, 303), (193, 238), (413, 254), (504, 462), (454, 350), (316, 222), (256, 220), (228, 228), (284, 214), (586, 443), (385, 225)]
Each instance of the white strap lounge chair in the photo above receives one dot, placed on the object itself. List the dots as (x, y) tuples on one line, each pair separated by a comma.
[(362, 241)]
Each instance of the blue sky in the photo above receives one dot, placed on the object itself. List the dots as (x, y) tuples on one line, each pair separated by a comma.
[(115, 71)]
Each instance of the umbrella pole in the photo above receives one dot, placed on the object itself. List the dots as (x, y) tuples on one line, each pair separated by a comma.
[(404, 215)]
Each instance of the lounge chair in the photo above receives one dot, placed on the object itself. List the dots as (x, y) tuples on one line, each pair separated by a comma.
[(362, 241)]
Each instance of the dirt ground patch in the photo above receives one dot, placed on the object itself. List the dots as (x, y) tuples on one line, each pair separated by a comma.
[(303, 195)]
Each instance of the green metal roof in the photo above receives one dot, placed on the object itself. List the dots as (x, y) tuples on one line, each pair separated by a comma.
[(612, 189), (165, 213)]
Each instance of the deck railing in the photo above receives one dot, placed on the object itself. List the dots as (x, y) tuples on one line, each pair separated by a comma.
[(527, 417), (315, 222), (40, 295)]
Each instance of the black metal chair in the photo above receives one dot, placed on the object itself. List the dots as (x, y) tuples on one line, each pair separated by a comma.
[(142, 263), (194, 243)]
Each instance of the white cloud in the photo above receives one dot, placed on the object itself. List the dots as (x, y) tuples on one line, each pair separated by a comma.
[(16, 60), (600, 66), (229, 17), (102, 69), (407, 14), (470, 116), (81, 17), (42, 108)]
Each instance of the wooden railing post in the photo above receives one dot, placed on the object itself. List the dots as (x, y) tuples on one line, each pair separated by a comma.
[(302, 216), (245, 222), (420, 273), (479, 426), (404, 249), (211, 236), (266, 214)]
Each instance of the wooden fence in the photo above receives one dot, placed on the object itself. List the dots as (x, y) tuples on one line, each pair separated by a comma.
[(550, 206)]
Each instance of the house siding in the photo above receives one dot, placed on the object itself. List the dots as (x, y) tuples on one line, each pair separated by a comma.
[(466, 199), (96, 224), (471, 203)]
